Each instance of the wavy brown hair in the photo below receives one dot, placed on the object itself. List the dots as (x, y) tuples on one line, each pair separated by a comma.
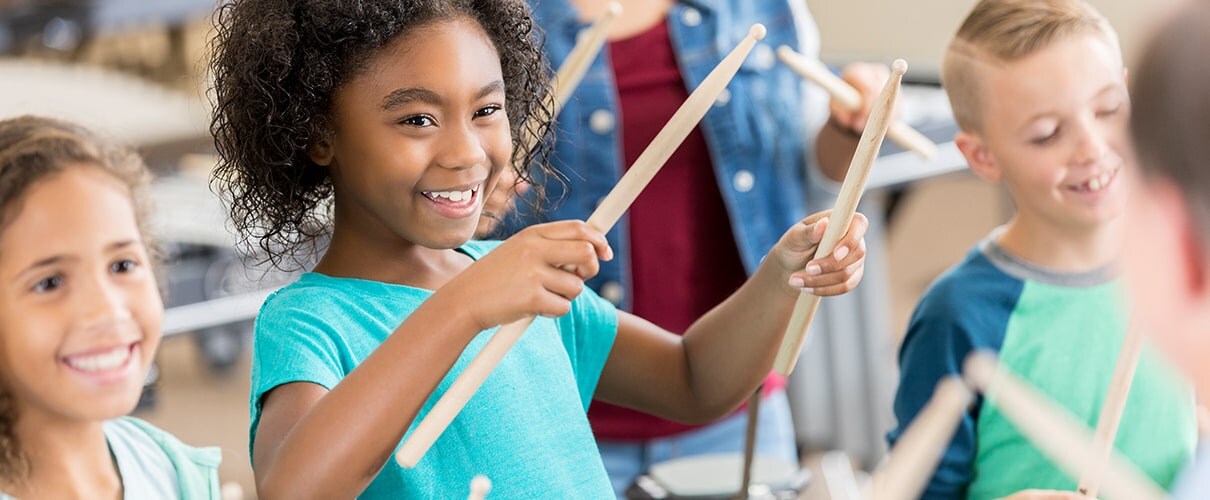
[(33, 149), (277, 65)]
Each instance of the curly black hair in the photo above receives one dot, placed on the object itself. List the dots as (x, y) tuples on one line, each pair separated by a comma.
[(277, 65)]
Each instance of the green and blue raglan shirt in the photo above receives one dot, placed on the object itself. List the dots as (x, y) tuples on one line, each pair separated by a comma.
[(1062, 333)]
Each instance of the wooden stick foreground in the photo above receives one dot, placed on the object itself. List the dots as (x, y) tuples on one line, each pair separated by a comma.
[(1055, 431), (842, 214), (603, 218), (911, 463), (1111, 411), (903, 134)]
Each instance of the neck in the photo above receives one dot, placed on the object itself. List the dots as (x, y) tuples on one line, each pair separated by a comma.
[(1065, 249), (67, 459), (383, 256)]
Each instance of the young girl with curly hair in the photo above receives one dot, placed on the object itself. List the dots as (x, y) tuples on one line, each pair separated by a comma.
[(80, 320), (381, 126)]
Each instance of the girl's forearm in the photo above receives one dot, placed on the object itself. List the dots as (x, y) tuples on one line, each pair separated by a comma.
[(731, 349)]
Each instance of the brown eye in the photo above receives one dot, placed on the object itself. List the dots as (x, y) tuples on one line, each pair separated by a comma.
[(487, 111), (418, 121), (123, 266), (48, 284)]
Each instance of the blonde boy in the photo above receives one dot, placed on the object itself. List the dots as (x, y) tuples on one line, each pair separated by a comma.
[(1038, 90)]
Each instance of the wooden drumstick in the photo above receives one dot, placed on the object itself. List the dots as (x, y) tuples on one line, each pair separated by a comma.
[(480, 487), (811, 69), (749, 443), (1111, 411), (910, 464), (588, 45), (572, 71), (842, 214), (603, 218), (1055, 431)]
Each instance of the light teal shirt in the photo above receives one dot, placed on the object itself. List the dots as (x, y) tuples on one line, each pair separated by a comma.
[(154, 464), (526, 429)]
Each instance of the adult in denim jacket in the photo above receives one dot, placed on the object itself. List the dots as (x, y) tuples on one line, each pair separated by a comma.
[(758, 137)]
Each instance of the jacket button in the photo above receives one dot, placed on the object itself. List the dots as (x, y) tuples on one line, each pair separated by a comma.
[(743, 181), (612, 291), (691, 17), (601, 121)]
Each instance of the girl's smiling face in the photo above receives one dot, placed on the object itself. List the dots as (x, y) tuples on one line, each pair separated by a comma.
[(80, 312), (419, 136)]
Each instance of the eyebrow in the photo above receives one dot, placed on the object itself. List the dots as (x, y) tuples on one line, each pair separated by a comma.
[(54, 259), (1044, 114), (400, 97)]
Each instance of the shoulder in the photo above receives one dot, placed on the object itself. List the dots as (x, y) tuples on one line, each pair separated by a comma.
[(134, 428), (195, 469), (972, 300)]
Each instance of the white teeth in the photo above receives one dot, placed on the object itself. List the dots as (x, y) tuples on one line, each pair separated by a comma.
[(455, 195), (107, 360), (1094, 184)]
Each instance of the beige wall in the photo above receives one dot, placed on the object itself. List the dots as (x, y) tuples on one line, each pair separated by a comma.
[(918, 30)]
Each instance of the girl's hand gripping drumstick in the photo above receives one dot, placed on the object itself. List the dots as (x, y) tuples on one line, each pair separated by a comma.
[(602, 219), (842, 214)]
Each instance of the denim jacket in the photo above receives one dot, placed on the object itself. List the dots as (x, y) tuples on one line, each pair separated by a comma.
[(757, 132)]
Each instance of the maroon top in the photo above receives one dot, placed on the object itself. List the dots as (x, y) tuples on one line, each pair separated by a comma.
[(684, 259)]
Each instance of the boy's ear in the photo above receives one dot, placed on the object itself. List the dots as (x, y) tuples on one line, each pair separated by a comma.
[(321, 152), (977, 156)]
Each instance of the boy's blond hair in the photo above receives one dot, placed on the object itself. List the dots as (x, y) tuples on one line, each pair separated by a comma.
[(1002, 31)]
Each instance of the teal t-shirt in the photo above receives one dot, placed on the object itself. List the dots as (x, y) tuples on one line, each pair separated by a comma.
[(526, 429), (154, 464), (1060, 332)]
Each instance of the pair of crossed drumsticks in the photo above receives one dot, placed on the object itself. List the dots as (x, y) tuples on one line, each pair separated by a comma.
[(1040, 419)]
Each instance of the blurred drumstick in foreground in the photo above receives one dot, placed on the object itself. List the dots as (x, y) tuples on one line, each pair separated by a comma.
[(912, 461), (1111, 411), (1054, 431)]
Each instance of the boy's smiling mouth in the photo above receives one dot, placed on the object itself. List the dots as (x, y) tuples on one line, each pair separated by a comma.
[(1098, 182)]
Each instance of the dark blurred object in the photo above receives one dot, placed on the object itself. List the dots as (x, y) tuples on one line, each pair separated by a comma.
[(67, 28), (196, 273)]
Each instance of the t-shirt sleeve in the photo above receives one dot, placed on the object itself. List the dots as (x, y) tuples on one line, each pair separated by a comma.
[(291, 344), (935, 347), (588, 333), (967, 310)]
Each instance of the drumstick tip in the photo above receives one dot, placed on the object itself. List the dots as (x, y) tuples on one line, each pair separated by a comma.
[(978, 369), (481, 486), (899, 67), (757, 31), (614, 9)]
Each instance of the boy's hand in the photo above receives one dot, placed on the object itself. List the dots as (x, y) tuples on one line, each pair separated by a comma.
[(1046, 495), (537, 272), (832, 275), (868, 79)]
